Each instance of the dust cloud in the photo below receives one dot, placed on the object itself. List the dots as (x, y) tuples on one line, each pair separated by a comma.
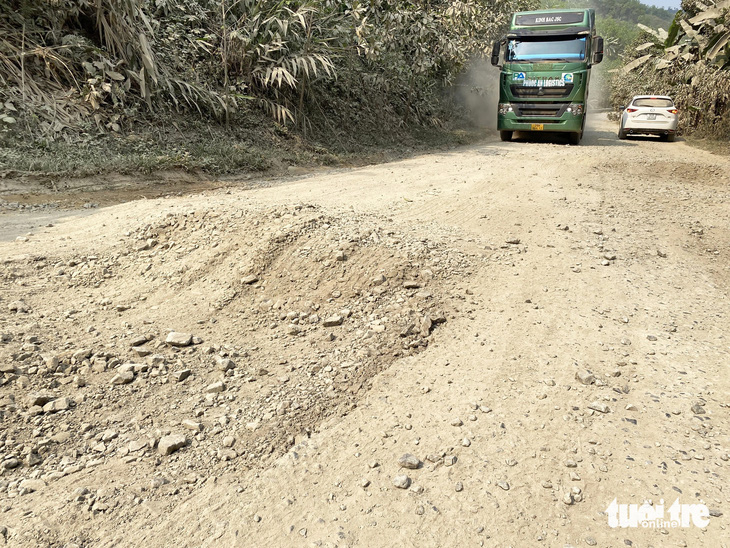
[(477, 92)]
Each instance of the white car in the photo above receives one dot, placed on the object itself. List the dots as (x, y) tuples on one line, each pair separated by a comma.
[(649, 115)]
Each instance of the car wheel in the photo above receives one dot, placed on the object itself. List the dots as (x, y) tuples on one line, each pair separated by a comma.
[(505, 135), (621, 133), (671, 137)]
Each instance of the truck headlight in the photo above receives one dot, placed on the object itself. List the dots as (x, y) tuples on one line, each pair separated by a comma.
[(504, 108), (575, 109)]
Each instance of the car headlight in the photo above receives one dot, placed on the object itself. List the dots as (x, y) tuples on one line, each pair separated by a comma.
[(504, 108), (575, 109)]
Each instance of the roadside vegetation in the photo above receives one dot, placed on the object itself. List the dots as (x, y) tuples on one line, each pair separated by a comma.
[(180, 81), (690, 60)]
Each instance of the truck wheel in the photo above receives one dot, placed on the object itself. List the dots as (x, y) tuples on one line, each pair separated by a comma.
[(574, 138), (505, 135)]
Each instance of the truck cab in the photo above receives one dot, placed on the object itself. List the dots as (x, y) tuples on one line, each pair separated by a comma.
[(545, 61)]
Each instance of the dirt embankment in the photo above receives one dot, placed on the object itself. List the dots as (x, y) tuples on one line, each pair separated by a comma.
[(542, 327)]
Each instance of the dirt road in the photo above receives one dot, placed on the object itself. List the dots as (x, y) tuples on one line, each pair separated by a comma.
[(544, 328)]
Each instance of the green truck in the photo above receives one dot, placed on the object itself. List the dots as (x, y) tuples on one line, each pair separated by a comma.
[(545, 63)]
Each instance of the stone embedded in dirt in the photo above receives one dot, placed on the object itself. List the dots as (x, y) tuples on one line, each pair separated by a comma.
[(229, 441), (449, 460), (411, 285), (227, 454), (568, 499), (600, 407), (224, 364), (459, 487), (138, 445), (31, 485), (402, 481), (39, 399), (179, 339), (142, 351), (503, 485), (333, 321), (33, 459), (123, 377), (181, 375), (108, 435), (192, 425), (570, 463), (11, 463), (425, 326), (466, 442), (661, 254), (513, 241), (250, 279), (138, 341), (585, 377), (171, 443), (215, 387), (651, 338), (698, 409), (457, 422), (61, 404), (81, 355), (410, 461), (158, 482), (18, 306), (379, 280)]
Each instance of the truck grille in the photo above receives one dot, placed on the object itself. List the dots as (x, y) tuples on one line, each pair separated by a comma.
[(524, 92), (539, 109)]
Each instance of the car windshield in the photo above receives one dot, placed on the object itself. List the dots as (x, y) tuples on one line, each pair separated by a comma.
[(571, 49), (653, 102)]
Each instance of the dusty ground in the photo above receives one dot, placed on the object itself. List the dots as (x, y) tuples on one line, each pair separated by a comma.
[(446, 306)]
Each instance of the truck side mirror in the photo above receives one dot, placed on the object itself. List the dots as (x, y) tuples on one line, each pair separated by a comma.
[(495, 53), (598, 50)]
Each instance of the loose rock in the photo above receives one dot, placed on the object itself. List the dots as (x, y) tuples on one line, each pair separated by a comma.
[(171, 443), (179, 339)]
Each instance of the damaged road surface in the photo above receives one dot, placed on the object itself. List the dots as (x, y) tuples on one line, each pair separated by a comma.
[(487, 346)]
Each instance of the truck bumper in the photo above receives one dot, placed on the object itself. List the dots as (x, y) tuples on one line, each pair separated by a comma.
[(565, 123)]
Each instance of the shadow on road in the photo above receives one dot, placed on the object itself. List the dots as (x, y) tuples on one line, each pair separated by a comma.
[(590, 138)]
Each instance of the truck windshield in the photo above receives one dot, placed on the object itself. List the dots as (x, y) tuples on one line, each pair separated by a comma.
[(571, 49)]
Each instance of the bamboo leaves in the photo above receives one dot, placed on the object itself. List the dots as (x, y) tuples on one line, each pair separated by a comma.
[(692, 64)]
